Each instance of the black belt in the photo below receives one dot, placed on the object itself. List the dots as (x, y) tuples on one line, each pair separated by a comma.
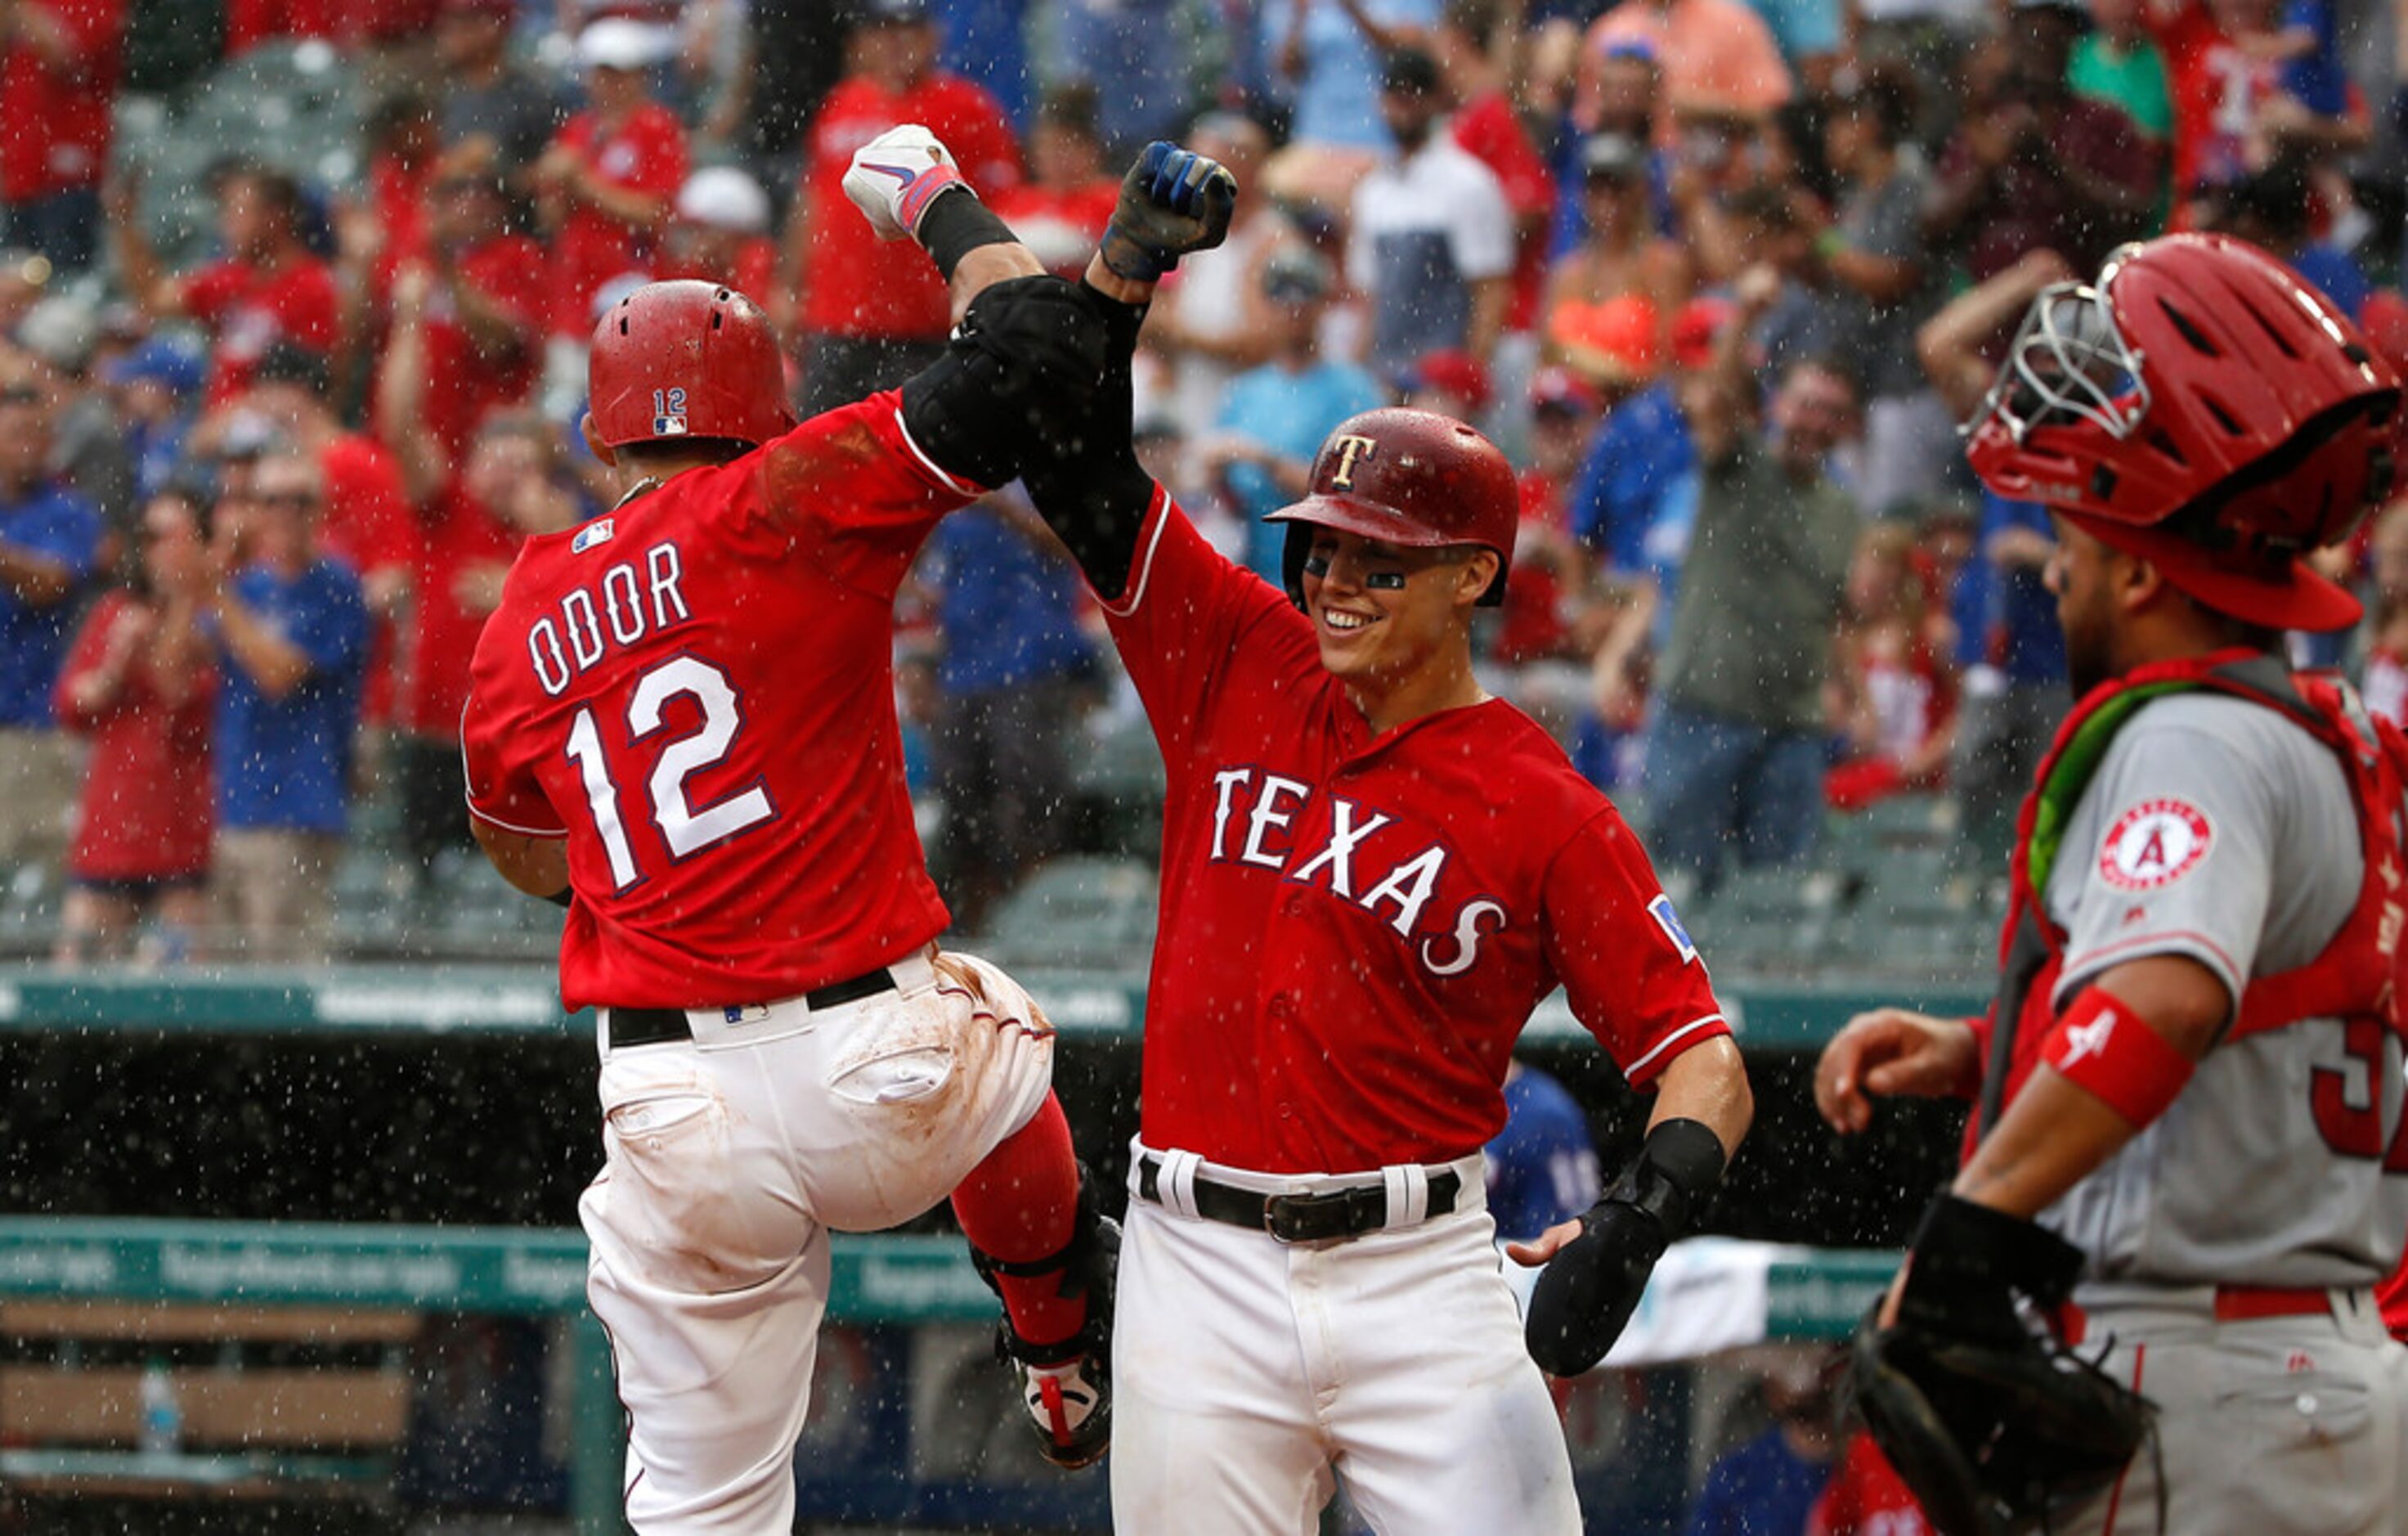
[(658, 1026), (1298, 1218)]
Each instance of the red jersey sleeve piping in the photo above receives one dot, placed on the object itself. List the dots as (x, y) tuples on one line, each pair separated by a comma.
[(1643, 1071), (930, 467), (484, 816), (1157, 513), (481, 813)]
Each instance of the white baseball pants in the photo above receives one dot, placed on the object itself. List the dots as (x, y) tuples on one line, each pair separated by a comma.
[(2273, 1427), (1248, 1372), (730, 1157)]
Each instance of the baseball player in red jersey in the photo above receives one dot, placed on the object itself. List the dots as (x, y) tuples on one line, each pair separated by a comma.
[(682, 725), (1373, 873), (2189, 1087)]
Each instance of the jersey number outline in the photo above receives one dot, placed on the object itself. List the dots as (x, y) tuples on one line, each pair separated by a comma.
[(2353, 1130), (685, 829)]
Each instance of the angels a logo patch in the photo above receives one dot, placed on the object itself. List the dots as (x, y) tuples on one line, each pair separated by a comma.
[(2155, 843)]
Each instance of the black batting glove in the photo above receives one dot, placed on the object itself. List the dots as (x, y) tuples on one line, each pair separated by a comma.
[(1587, 1292), (1172, 201)]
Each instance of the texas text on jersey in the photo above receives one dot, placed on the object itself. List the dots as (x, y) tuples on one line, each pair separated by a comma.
[(1358, 974)]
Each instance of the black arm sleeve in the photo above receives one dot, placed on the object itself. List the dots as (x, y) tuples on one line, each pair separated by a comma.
[(953, 226), (1088, 483)]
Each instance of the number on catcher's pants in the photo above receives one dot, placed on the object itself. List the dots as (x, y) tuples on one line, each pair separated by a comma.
[(685, 829)]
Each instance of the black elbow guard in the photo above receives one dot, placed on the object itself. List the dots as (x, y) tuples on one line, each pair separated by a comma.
[(1024, 359)]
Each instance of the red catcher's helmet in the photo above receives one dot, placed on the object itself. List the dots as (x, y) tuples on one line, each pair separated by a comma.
[(686, 359), (1407, 477), (2205, 407)]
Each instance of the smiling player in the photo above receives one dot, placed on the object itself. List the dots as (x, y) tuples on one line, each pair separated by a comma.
[(1373, 873)]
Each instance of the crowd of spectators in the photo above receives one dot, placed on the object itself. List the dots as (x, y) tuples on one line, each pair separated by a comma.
[(1720, 275)]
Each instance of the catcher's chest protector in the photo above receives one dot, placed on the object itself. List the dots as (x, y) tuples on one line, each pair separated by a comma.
[(2358, 974)]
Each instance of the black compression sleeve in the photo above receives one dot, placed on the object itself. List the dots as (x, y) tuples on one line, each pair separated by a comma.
[(1092, 491), (561, 898), (953, 226)]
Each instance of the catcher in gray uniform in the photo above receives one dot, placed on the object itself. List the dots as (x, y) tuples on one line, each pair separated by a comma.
[(2147, 1301)]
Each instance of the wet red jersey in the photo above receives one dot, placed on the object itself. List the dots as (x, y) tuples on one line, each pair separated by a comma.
[(696, 690), (1355, 927)]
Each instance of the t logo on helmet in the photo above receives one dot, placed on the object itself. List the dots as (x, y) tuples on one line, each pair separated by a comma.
[(1349, 450)]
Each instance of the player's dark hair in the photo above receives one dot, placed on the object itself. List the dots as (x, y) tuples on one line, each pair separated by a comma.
[(660, 450), (2256, 637)]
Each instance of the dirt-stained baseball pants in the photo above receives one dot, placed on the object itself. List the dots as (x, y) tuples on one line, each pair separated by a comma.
[(730, 1158)]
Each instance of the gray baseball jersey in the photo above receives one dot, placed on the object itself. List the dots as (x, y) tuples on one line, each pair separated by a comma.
[(2219, 830)]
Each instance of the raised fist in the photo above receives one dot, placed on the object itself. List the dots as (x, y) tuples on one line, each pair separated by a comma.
[(895, 176), (1172, 201)]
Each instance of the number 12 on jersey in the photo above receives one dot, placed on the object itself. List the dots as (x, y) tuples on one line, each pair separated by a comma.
[(685, 829)]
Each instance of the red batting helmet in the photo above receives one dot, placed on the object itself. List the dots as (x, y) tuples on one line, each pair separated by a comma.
[(1411, 478), (686, 359), (2205, 407)]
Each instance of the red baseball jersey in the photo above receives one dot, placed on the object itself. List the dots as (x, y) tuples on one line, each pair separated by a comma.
[(696, 690), (1355, 927)]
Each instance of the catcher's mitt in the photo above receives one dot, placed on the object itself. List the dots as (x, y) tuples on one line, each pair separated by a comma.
[(1997, 1424)]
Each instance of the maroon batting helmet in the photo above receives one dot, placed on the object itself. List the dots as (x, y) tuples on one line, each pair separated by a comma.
[(1407, 477), (686, 359), (2203, 407)]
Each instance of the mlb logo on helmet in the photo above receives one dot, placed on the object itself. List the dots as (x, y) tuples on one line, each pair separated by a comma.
[(668, 413)]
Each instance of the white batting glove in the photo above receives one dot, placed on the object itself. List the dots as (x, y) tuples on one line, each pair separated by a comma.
[(895, 176)]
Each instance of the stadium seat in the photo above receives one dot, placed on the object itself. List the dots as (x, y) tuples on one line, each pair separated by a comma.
[(30, 894), (1121, 759), (1765, 919), (1928, 941), (1078, 910), (1119, 775)]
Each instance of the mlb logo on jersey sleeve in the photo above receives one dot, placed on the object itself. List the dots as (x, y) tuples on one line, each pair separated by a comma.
[(1669, 920), (2153, 844), (591, 535)]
